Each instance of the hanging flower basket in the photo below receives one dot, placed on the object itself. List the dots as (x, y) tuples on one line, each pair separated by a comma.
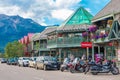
[(92, 28), (105, 35), (97, 37), (101, 35)]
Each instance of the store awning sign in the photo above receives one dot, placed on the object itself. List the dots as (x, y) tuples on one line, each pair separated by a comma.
[(86, 44)]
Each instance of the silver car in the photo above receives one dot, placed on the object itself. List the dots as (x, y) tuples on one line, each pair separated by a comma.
[(23, 61)]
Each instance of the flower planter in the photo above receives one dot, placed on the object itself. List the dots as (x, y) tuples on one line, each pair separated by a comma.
[(92, 28)]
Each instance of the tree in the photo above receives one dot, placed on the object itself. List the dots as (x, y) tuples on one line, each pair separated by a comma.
[(1, 55), (14, 49)]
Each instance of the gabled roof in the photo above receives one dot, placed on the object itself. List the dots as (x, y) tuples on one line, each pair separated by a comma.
[(114, 33), (43, 34), (111, 8), (35, 37), (79, 17)]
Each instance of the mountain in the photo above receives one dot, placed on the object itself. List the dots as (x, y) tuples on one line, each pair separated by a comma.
[(15, 27)]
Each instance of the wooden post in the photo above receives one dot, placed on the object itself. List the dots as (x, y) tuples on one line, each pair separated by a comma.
[(93, 52), (98, 49), (105, 53), (60, 59), (87, 53)]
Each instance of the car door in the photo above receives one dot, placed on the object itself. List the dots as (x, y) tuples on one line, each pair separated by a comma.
[(38, 62), (20, 61), (41, 63)]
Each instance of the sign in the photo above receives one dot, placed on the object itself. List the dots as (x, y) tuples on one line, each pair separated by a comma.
[(86, 44), (110, 44)]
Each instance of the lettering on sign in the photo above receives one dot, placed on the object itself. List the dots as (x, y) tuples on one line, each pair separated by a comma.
[(86, 44)]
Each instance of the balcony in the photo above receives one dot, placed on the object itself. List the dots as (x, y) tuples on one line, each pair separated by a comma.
[(101, 35), (64, 42), (43, 47), (35, 47)]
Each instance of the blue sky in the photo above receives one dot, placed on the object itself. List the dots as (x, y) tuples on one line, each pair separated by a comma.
[(49, 12)]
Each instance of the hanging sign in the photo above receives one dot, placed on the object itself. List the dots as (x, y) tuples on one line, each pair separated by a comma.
[(86, 44)]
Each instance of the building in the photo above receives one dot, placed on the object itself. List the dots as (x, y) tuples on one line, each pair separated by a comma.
[(35, 44), (43, 50), (106, 37), (66, 40), (39, 42), (28, 46)]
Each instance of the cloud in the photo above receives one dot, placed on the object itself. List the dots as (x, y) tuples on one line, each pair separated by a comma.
[(38, 10), (44, 11), (61, 14), (88, 9), (11, 10), (66, 3)]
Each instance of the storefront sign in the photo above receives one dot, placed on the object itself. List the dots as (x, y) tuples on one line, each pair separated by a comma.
[(86, 44)]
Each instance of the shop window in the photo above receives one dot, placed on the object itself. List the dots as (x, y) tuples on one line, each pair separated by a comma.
[(110, 53)]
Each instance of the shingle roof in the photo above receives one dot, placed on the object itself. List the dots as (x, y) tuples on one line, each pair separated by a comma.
[(47, 30), (112, 7), (77, 20), (73, 28)]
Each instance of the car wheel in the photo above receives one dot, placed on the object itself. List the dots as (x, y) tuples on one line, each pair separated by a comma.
[(58, 68), (62, 69), (29, 66), (94, 73), (19, 65)]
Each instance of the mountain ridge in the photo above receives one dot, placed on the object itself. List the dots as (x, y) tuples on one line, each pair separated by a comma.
[(15, 27)]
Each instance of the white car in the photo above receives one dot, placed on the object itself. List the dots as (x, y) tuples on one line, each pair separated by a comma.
[(23, 61), (32, 61)]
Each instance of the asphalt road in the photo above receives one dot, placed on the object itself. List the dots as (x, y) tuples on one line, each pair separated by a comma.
[(24, 73)]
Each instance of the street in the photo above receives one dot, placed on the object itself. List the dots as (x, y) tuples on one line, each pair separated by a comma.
[(24, 73)]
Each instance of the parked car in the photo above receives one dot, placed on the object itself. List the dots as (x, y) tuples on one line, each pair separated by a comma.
[(23, 61), (32, 61), (3, 60), (11, 61), (47, 62)]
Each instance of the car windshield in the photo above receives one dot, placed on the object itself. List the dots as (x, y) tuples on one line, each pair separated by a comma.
[(3, 59), (25, 58), (50, 59)]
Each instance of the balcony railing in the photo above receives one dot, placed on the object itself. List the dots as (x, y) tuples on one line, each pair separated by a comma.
[(43, 45), (65, 41), (35, 47), (101, 37)]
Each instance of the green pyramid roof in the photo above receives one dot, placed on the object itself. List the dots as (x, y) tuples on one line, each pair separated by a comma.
[(81, 16)]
